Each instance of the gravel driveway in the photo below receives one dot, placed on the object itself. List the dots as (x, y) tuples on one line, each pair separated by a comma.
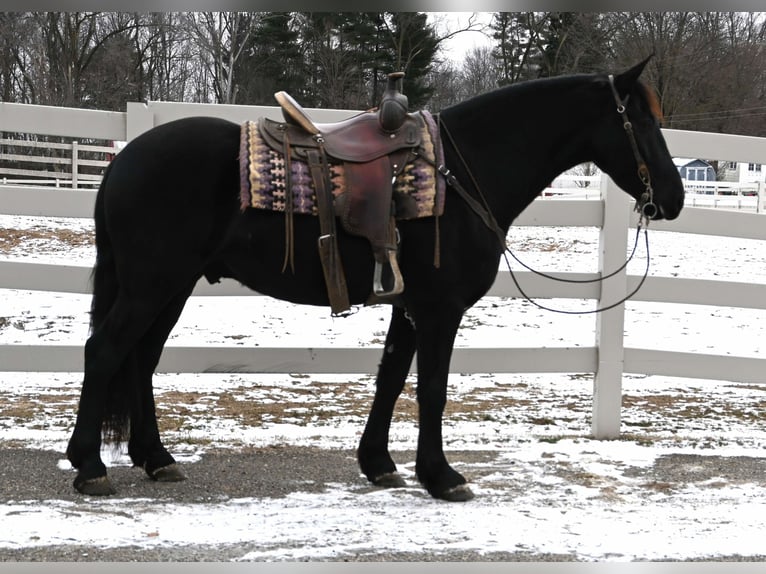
[(273, 473)]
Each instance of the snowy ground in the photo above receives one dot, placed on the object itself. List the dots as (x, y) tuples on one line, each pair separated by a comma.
[(547, 488)]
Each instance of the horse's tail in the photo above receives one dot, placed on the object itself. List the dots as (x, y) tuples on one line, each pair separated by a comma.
[(105, 288)]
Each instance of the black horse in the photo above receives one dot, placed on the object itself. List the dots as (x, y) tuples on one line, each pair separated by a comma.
[(168, 213)]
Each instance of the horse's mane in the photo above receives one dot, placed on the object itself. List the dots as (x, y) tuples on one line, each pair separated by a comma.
[(503, 93), (507, 92)]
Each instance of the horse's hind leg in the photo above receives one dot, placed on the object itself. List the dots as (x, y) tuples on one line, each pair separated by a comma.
[(105, 353), (373, 456), (145, 446)]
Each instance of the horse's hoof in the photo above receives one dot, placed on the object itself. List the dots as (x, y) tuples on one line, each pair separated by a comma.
[(461, 493), (169, 473), (389, 480), (99, 486)]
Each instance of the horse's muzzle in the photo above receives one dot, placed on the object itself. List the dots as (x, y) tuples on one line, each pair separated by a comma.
[(670, 211)]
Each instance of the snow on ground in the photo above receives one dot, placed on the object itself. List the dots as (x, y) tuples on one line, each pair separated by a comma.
[(549, 489)]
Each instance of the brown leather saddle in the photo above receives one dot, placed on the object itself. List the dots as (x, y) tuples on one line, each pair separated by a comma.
[(373, 147)]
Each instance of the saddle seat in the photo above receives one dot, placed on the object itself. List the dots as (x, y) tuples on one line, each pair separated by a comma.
[(360, 138)]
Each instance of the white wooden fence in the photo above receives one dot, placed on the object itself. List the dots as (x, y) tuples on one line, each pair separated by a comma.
[(607, 358), (65, 156), (726, 195)]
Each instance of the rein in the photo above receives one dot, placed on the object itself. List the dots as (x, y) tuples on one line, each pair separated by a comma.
[(645, 206)]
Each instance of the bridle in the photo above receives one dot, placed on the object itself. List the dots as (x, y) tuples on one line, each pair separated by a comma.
[(645, 206)]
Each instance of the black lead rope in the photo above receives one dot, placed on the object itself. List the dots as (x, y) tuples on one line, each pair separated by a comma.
[(486, 216), (565, 280), (597, 279)]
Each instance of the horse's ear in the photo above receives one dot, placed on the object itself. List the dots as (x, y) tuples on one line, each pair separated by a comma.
[(625, 81)]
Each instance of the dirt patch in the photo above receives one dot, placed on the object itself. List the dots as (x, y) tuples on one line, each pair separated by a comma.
[(14, 239), (317, 402), (691, 408)]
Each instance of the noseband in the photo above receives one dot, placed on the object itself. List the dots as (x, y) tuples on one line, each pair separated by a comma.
[(645, 205)]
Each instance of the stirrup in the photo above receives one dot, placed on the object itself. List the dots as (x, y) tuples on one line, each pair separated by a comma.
[(377, 281)]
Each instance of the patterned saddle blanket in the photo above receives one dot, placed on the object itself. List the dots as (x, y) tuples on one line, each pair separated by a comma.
[(417, 189)]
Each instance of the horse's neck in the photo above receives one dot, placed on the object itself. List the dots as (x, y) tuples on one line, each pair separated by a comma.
[(515, 141)]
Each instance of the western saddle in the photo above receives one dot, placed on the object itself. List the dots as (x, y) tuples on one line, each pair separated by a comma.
[(374, 148)]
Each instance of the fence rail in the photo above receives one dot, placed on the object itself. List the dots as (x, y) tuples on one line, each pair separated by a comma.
[(70, 160), (608, 358)]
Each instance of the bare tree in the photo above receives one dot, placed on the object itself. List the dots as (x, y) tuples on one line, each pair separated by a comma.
[(708, 67), (165, 57), (479, 72), (445, 29), (17, 34), (70, 41), (584, 169), (447, 86), (519, 37), (220, 38)]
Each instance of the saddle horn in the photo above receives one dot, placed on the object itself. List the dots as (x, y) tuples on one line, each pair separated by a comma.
[(393, 105)]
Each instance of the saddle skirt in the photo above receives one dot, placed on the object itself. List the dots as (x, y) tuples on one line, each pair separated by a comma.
[(417, 189)]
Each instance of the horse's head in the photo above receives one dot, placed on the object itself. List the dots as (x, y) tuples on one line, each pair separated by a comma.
[(631, 149)]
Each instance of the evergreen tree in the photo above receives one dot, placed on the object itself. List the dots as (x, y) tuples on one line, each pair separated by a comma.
[(413, 46), (272, 61), (571, 42), (112, 78), (514, 44), (364, 32), (328, 63), (349, 55)]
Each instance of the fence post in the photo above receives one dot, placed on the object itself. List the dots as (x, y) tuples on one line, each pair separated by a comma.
[(760, 205), (75, 153), (610, 325)]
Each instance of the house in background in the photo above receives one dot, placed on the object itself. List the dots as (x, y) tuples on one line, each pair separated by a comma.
[(742, 172), (694, 169)]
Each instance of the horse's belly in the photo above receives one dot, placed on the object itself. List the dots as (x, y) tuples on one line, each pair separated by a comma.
[(256, 256)]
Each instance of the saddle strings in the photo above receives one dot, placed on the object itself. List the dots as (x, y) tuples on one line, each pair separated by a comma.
[(485, 214)]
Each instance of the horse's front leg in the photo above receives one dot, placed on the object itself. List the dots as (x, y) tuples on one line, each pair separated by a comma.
[(374, 458), (435, 330)]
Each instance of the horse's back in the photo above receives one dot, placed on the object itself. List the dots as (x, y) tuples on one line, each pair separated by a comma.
[(193, 128), (181, 141)]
